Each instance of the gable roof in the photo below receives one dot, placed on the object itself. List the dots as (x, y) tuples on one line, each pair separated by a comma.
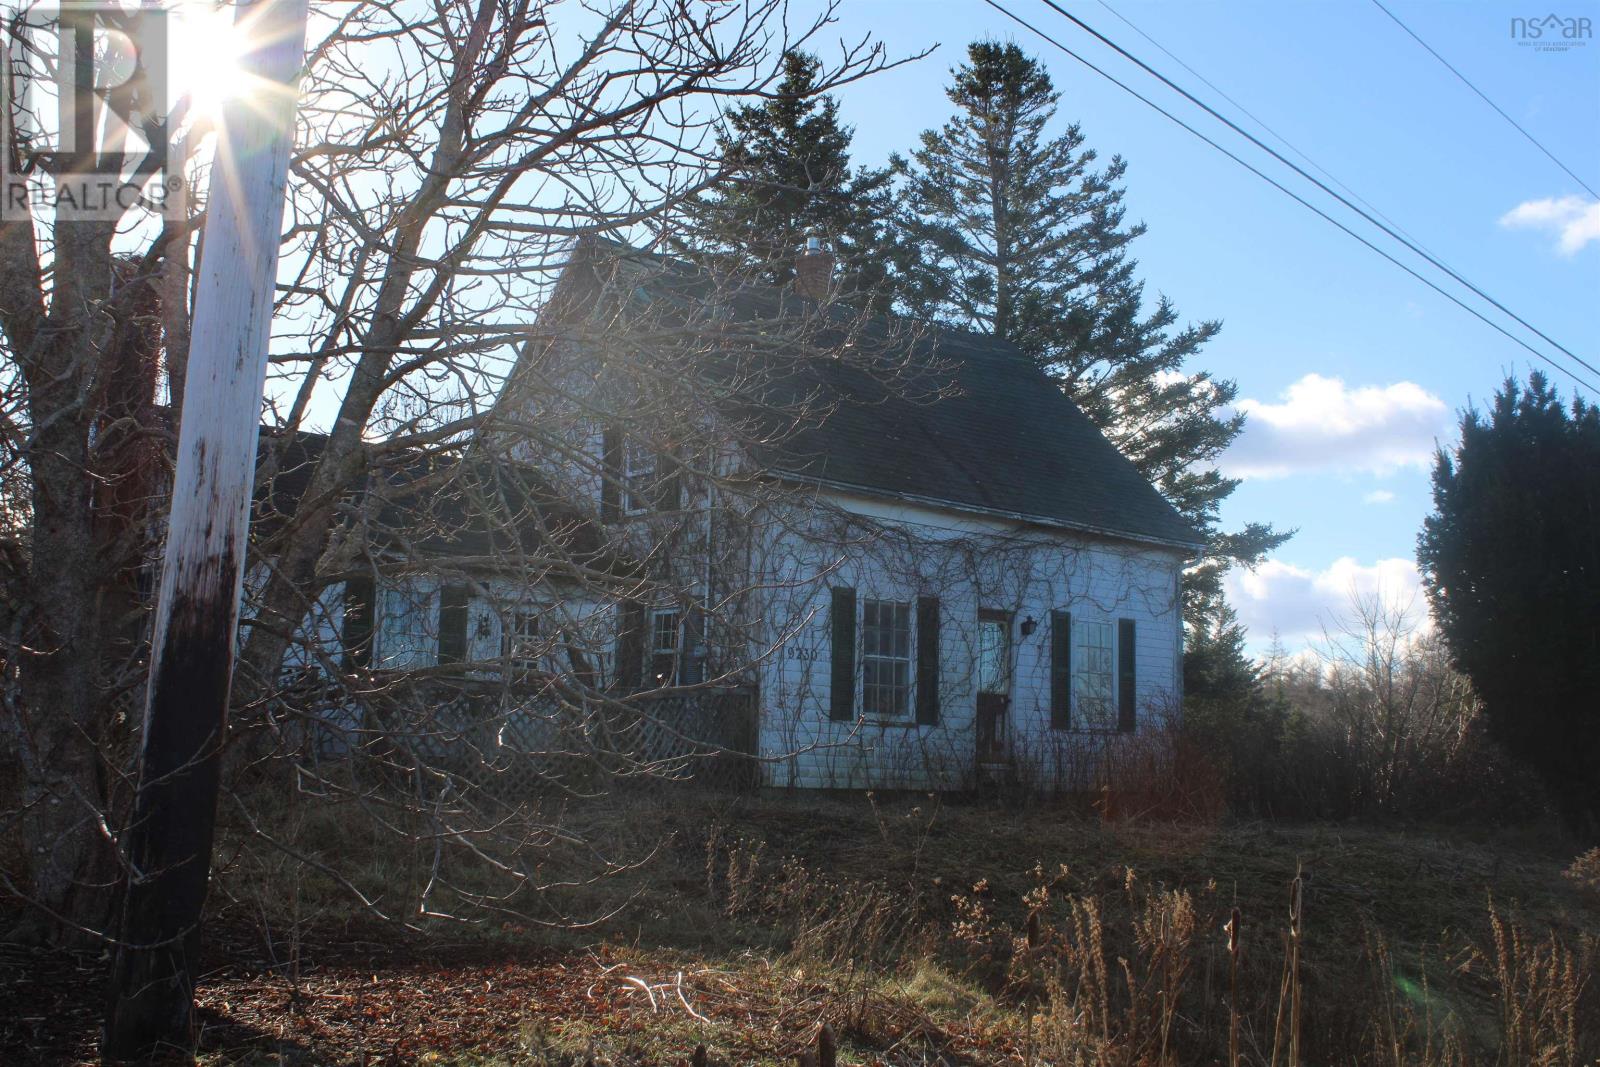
[(969, 422), (441, 506)]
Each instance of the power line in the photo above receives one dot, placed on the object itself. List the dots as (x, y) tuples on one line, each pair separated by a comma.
[(1247, 135), (1019, 20), (1256, 119), (1485, 98)]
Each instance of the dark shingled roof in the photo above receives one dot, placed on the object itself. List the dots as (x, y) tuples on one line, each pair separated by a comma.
[(1002, 437), (998, 437), (441, 505)]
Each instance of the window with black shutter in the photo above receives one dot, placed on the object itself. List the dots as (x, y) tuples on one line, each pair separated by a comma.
[(641, 476), (1094, 674), (635, 478), (886, 663)]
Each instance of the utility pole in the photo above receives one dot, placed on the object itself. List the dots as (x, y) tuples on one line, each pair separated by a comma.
[(192, 648)]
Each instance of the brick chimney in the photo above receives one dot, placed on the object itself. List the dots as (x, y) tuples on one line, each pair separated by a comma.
[(813, 270)]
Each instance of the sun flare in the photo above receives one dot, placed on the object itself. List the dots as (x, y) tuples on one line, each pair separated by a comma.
[(206, 49)]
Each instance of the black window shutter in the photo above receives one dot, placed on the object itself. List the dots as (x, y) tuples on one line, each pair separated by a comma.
[(1126, 674), (610, 474), (630, 645), (842, 692), (669, 483), (928, 660), (360, 594), (1061, 670), (453, 623), (692, 656)]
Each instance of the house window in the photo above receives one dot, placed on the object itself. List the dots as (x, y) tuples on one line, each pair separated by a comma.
[(640, 476), (520, 643), (407, 623), (1092, 670), (993, 666), (666, 638), (885, 659)]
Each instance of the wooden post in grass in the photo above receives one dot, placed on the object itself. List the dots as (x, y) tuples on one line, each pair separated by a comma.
[(1234, 922), (1296, 916), (169, 843)]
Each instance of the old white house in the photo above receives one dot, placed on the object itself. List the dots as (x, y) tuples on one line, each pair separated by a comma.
[(921, 561)]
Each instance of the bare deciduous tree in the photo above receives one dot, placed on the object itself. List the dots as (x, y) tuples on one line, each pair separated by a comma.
[(449, 156)]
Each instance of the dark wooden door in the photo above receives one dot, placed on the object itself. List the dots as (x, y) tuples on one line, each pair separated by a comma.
[(994, 686)]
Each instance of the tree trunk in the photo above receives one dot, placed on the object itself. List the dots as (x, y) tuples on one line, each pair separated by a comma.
[(71, 864)]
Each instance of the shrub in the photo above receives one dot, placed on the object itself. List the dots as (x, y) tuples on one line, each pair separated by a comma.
[(1373, 722)]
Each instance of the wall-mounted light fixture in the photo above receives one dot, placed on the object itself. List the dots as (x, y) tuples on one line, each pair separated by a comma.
[(1028, 626)]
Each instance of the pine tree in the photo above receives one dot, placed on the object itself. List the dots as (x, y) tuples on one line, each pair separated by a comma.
[(1511, 561), (1217, 667), (1013, 231), (1228, 709), (789, 178)]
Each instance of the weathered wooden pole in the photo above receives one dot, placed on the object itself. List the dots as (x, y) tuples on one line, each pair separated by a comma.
[(192, 648)]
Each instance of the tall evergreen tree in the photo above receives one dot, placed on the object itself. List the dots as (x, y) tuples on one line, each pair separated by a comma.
[(1011, 230), (789, 178), (1511, 561)]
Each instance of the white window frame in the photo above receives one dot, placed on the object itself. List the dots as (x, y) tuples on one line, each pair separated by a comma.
[(902, 691), (1008, 644), (654, 648), (405, 624), (522, 627), (641, 473), (1091, 710)]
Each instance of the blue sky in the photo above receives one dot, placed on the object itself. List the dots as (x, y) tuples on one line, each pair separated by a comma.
[(1351, 369)]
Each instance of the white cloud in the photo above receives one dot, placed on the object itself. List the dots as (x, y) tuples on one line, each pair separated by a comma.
[(1574, 219), (1320, 423), (1297, 603), (1378, 496)]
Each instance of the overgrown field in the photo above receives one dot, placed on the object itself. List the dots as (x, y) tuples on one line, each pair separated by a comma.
[(922, 931)]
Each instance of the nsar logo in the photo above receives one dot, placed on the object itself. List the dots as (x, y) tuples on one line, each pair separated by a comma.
[(1552, 33)]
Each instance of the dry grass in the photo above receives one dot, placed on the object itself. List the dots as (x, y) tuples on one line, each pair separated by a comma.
[(1090, 941), (929, 932)]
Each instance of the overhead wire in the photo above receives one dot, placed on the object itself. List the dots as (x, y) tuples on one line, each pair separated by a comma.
[(1430, 283), (1253, 117), (1485, 98), (1247, 135)]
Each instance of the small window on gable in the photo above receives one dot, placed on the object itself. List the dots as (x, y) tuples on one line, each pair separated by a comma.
[(885, 659), (520, 643), (666, 639), (1093, 665), (640, 476)]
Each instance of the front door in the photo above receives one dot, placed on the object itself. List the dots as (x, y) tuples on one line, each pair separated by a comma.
[(994, 685)]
